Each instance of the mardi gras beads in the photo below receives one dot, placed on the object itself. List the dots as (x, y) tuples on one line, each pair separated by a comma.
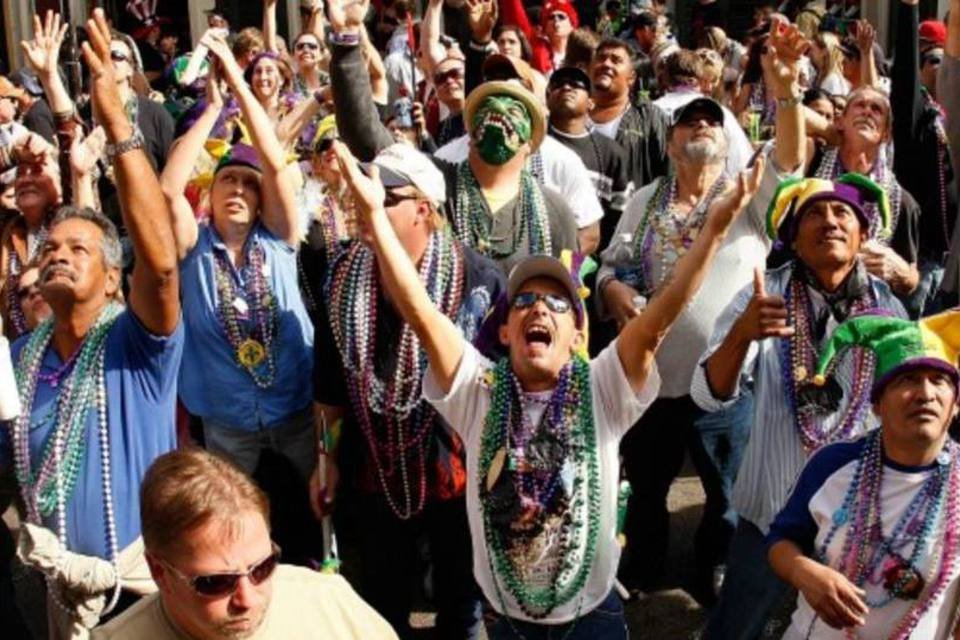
[(390, 412), (569, 415), (252, 348)]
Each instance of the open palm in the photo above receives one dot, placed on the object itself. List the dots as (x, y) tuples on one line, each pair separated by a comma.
[(43, 52)]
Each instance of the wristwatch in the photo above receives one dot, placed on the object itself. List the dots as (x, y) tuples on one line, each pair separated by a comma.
[(786, 103), (135, 141)]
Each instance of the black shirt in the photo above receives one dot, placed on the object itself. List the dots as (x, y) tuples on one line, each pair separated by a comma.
[(39, 119)]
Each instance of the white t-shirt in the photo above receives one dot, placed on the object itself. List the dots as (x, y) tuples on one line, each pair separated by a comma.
[(563, 171), (608, 128), (615, 409)]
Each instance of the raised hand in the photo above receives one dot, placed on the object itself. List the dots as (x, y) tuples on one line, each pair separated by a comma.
[(85, 152), (31, 149), (724, 209), (765, 316), (107, 107), (785, 46), (866, 35), (347, 15), (218, 46), (482, 18), (43, 52), (212, 89)]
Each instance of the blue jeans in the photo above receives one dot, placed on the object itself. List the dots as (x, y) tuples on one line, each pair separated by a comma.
[(751, 590), (606, 622), (653, 453), (921, 301)]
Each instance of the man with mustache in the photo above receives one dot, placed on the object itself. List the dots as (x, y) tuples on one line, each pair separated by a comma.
[(869, 533), (769, 338), (97, 382), (493, 201), (656, 228), (862, 130)]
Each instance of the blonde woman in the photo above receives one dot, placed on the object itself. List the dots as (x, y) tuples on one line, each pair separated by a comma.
[(827, 57)]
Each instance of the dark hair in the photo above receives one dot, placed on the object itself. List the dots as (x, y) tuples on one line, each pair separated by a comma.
[(644, 19), (526, 52), (616, 43), (753, 73), (109, 244), (812, 95)]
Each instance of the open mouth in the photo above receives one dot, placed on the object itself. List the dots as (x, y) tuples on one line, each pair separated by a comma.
[(537, 335), (497, 121)]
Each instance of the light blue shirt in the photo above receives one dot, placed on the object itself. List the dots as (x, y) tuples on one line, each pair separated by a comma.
[(213, 385)]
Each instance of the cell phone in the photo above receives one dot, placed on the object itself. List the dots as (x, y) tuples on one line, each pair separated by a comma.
[(403, 112)]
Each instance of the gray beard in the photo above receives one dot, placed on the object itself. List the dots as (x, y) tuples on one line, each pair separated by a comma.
[(705, 152)]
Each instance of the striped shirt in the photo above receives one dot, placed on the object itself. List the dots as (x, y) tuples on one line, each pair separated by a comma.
[(775, 455)]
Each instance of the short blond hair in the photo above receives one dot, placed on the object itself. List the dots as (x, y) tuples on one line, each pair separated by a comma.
[(186, 489)]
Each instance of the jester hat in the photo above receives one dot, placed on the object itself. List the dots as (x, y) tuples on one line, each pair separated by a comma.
[(795, 195), (899, 345)]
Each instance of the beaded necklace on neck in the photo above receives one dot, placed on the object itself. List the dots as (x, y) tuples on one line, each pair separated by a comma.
[(507, 436), (473, 225), (48, 490), (831, 166), (663, 235), (798, 358), (868, 557), (253, 347), (393, 406)]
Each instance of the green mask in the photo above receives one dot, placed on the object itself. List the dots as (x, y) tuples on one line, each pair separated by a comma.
[(501, 125)]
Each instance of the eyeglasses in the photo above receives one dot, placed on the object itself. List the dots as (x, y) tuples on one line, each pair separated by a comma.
[(25, 293), (393, 199), (525, 300), (219, 585), (119, 56), (312, 46), (453, 74), (558, 17)]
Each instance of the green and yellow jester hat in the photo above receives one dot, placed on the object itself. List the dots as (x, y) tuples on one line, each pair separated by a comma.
[(795, 195), (900, 345)]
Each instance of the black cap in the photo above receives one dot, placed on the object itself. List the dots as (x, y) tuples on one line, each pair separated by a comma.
[(570, 73), (708, 105)]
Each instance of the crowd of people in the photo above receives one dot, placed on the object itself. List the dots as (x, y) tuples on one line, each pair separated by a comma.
[(426, 309)]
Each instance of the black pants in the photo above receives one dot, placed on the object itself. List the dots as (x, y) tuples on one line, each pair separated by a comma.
[(385, 551)]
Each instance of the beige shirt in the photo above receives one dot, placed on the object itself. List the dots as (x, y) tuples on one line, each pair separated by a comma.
[(305, 604)]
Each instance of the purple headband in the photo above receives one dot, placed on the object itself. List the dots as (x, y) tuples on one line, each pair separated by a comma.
[(845, 193)]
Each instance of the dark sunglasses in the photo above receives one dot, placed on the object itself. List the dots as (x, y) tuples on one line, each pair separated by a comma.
[(568, 82), (118, 56), (525, 300), (453, 74), (696, 116), (325, 145), (219, 585), (558, 17), (393, 199), (313, 46)]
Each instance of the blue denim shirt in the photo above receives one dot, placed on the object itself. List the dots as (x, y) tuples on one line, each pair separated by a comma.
[(212, 384)]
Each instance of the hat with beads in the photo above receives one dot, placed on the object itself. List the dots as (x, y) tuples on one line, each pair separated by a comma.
[(795, 195), (899, 345)]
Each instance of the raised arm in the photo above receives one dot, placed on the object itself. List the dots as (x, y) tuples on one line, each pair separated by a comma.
[(431, 50), (781, 68), (299, 117), (270, 26), (183, 156), (640, 338), (906, 100), (379, 85), (357, 118), (278, 210), (154, 294), (440, 338), (84, 155), (866, 35), (315, 23)]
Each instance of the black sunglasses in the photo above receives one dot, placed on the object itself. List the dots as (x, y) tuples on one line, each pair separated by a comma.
[(453, 74), (118, 56), (393, 199), (313, 46), (219, 585), (525, 300), (932, 60), (573, 83)]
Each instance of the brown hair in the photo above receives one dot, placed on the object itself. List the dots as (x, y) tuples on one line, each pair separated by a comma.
[(684, 67), (581, 47), (247, 40), (187, 488)]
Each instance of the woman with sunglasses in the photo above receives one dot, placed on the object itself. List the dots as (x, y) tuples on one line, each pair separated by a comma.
[(248, 333), (206, 530)]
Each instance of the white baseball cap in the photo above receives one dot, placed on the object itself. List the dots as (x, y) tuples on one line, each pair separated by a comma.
[(401, 165)]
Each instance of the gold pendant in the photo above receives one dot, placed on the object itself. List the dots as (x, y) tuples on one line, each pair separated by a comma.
[(251, 353), (800, 373)]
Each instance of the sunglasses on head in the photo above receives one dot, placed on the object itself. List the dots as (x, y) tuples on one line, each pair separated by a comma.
[(526, 299), (300, 46), (451, 74), (119, 56), (219, 585)]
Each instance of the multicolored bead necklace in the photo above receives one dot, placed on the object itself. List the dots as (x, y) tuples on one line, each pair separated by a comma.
[(252, 347), (798, 358), (393, 417), (869, 557), (832, 166), (520, 471), (664, 235), (472, 224), (50, 488)]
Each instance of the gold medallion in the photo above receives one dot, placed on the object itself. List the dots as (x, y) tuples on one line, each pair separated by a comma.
[(800, 373), (251, 353)]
